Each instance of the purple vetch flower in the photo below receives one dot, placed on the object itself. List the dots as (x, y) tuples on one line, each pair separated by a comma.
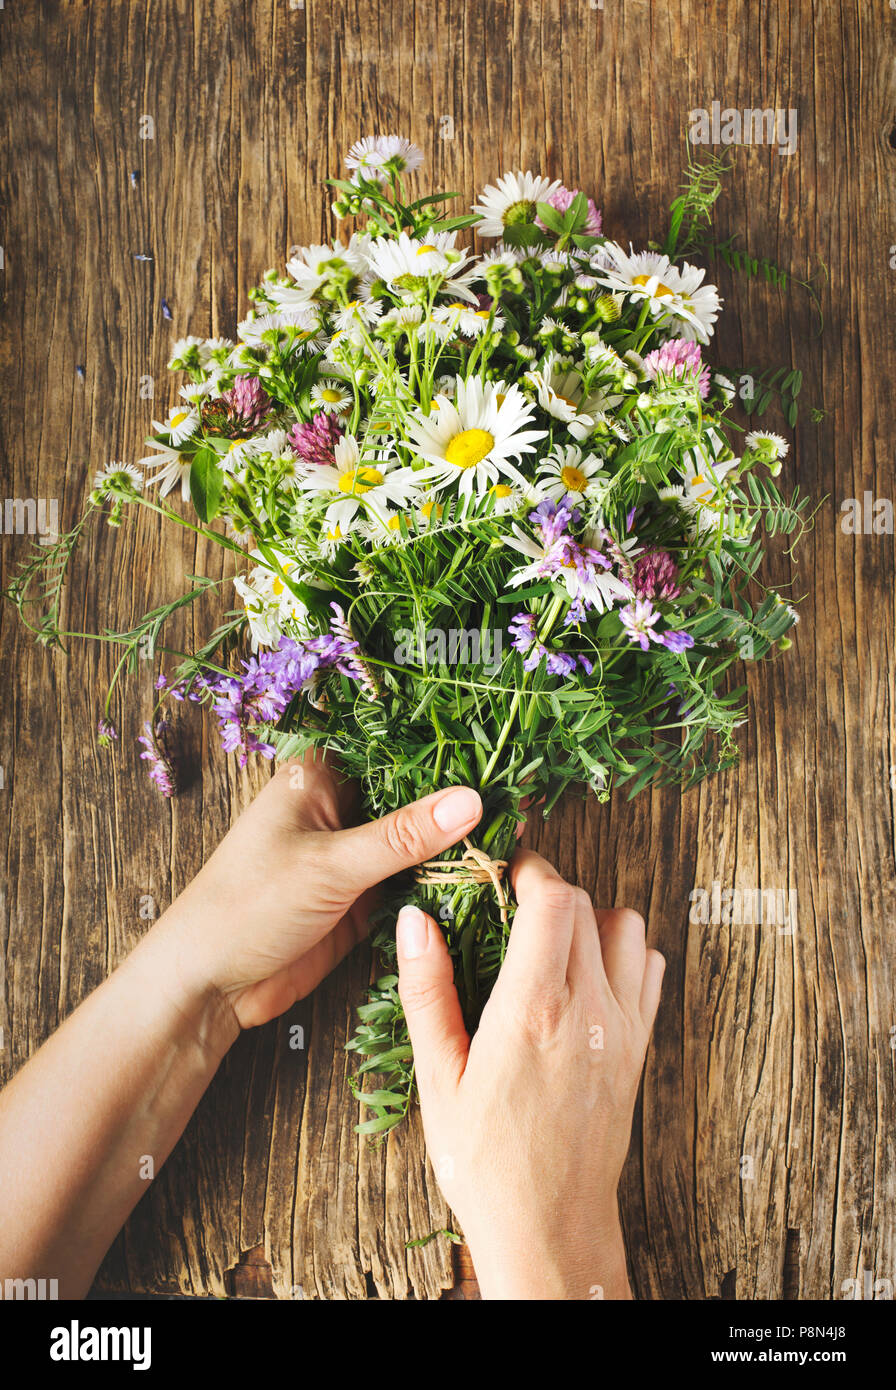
[(677, 641), (638, 619), (271, 680), (630, 518), (106, 732), (161, 770), (553, 519), (562, 201), (523, 629), (655, 576), (315, 442), (678, 361)]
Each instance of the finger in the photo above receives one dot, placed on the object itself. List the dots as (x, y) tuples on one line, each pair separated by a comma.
[(624, 949), (540, 939), (586, 967), (431, 1006), (367, 854), (654, 970)]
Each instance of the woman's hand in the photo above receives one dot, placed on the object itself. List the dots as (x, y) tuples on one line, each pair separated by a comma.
[(528, 1125), (287, 892)]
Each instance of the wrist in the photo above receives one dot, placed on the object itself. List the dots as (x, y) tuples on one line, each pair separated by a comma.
[(175, 972), (576, 1266)]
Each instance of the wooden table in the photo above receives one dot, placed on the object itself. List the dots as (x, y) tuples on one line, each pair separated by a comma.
[(764, 1149)]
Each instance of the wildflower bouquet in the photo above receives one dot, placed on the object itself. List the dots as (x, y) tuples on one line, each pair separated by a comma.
[(493, 526)]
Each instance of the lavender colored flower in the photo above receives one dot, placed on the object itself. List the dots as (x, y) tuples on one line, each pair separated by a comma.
[(523, 629), (655, 576), (106, 733), (554, 519), (315, 442), (678, 361), (638, 619), (562, 201), (161, 770), (560, 664), (271, 680), (677, 641)]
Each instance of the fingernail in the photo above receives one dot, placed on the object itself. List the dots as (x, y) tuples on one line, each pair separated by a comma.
[(411, 932), (462, 806)]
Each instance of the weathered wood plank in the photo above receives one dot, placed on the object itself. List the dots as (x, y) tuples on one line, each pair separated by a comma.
[(768, 1101)]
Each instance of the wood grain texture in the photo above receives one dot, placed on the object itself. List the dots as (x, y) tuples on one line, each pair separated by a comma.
[(769, 1047)]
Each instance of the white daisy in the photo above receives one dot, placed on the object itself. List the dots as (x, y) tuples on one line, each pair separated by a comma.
[(197, 391), (185, 350), (409, 265), (120, 474), (568, 473), (270, 603), (401, 153), (769, 447), (314, 268), (357, 487), (238, 454), (561, 393), (507, 256), (696, 306), (172, 468), (725, 385), (512, 201), (215, 349), (470, 322), (366, 311), (367, 155), (332, 396), (503, 499), (471, 441), (641, 275), (434, 329), (301, 318), (182, 424)]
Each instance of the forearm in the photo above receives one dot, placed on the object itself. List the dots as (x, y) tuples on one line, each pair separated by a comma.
[(94, 1114)]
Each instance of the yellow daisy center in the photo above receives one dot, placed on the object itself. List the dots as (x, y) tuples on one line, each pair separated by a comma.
[(277, 586), (394, 523), (179, 418), (469, 447), (426, 249), (573, 478), (500, 398), (360, 480), (660, 290), (429, 507), (329, 395), (502, 490), (236, 444)]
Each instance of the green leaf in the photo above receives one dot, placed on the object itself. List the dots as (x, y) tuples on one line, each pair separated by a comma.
[(550, 217), (381, 1123), (206, 484)]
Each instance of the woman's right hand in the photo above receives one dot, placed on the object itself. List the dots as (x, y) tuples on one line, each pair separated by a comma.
[(528, 1125)]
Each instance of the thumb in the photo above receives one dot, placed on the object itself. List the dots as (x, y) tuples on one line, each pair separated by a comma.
[(430, 1003), (366, 854)]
